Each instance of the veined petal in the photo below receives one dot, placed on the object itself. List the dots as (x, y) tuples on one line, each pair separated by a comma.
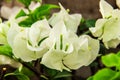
[(105, 9), (97, 31), (88, 51), (20, 49), (54, 59), (3, 33), (112, 43), (111, 29), (37, 34), (71, 21), (93, 49), (12, 32)]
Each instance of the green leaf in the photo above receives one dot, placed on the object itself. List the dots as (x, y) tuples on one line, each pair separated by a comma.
[(38, 14), (111, 60), (19, 76), (90, 23), (43, 10), (26, 71), (38, 0), (27, 22), (25, 2), (118, 54), (104, 74), (90, 78), (20, 14), (63, 74), (6, 50)]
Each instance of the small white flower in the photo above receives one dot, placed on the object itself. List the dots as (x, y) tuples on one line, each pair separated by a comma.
[(108, 27), (27, 43), (3, 32), (37, 34), (68, 51), (71, 21)]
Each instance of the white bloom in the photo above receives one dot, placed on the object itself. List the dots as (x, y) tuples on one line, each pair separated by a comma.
[(25, 41), (3, 32), (71, 21), (108, 27), (86, 54), (36, 35), (68, 51)]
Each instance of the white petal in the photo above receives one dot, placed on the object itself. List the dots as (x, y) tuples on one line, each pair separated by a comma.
[(71, 21), (111, 29), (20, 49), (13, 31), (53, 59), (97, 31), (112, 43), (105, 9), (88, 51), (38, 31)]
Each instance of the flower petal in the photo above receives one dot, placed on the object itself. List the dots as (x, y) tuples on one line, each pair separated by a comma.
[(20, 49), (105, 9), (53, 59), (71, 21)]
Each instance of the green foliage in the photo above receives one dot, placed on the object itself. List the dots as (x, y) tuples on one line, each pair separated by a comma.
[(111, 61), (90, 23), (6, 50), (26, 71), (25, 2), (19, 76), (38, 14), (20, 14), (106, 74), (85, 25), (54, 74)]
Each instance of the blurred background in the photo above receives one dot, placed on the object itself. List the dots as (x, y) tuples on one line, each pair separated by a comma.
[(89, 10)]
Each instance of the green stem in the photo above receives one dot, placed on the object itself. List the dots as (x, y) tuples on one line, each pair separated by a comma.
[(33, 69)]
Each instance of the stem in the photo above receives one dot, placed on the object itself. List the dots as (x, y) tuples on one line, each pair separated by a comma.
[(33, 69)]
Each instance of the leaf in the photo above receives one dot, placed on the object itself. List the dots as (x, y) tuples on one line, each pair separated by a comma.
[(90, 23), (104, 74), (38, 14), (90, 78), (6, 50), (19, 76), (27, 22), (43, 10), (26, 71), (25, 2), (111, 60), (20, 14), (63, 74)]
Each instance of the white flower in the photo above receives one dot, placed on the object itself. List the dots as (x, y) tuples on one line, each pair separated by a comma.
[(36, 35), (68, 51), (25, 41), (86, 54), (108, 27), (71, 21), (3, 32)]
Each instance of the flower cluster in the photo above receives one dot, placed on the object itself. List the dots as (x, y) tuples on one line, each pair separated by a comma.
[(107, 28), (54, 40)]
